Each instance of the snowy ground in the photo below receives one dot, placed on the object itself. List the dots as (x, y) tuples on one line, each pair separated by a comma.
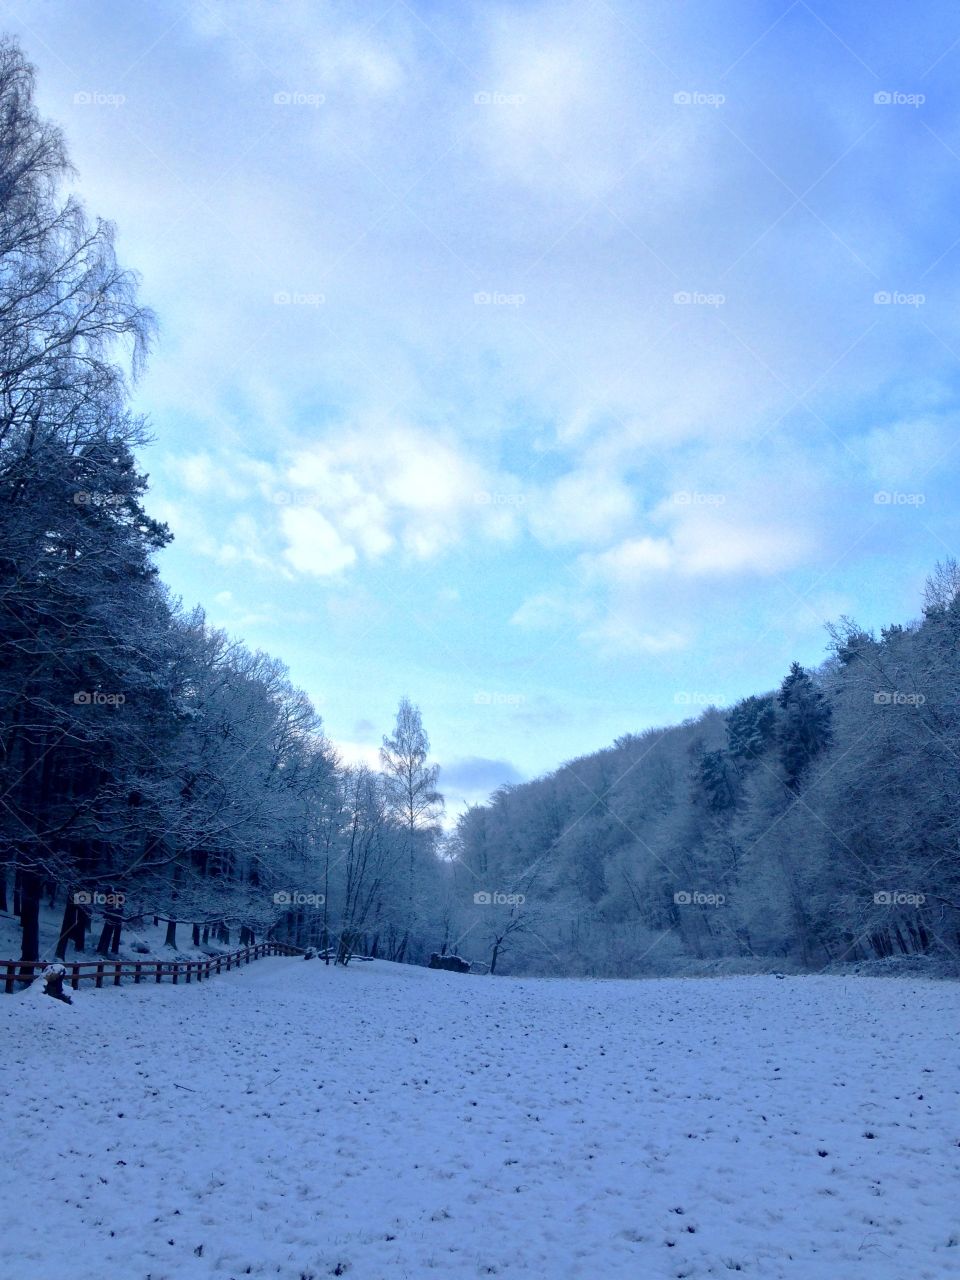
[(386, 1122)]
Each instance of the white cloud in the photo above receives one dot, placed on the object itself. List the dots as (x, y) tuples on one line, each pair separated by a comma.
[(244, 544), (548, 611), (584, 506), (559, 120), (358, 494), (380, 486), (357, 753), (709, 544), (616, 637), (313, 545), (906, 452), (316, 44), (201, 474), (631, 558)]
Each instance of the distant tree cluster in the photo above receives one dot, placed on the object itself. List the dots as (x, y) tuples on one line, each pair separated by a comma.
[(815, 825), (149, 765)]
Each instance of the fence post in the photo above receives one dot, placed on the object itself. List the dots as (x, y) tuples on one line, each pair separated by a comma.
[(116, 975), (75, 977), (176, 971), (159, 970), (136, 973), (188, 971), (100, 975)]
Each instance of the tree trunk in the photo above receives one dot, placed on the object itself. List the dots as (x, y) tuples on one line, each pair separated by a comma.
[(117, 924), (171, 939), (81, 923), (31, 888), (196, 935), (109, 943), (67, 925)]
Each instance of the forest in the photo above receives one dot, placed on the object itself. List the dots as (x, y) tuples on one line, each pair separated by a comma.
[(154, 766), (814, 825), (151, 765)]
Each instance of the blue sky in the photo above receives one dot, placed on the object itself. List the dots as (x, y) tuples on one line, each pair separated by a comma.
[(562, 366)]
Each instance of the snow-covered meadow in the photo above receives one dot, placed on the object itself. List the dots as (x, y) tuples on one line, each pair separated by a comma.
[(388, 1122)]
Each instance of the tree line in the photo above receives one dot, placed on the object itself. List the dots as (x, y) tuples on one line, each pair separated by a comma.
[(149, 764), (814, 825)]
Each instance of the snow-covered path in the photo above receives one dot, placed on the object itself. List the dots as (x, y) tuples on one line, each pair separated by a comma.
[(386, 1122)]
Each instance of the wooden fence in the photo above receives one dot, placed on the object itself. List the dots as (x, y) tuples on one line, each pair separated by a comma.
[(111, 971)]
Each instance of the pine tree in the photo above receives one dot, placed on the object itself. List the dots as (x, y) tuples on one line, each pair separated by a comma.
[(804, 727), (751, 727)]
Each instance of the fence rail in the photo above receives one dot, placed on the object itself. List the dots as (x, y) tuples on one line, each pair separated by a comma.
[(111, 971)]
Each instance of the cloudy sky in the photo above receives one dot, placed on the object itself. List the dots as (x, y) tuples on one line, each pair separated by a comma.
[(562, 366)]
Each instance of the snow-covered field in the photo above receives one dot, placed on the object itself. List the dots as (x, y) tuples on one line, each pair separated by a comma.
[(384, 1122)]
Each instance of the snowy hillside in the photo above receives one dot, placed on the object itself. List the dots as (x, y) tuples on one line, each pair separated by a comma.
[(388, 1122), (142, 940)]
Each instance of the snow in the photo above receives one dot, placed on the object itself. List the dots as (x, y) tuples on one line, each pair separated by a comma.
[(143, 942), (383, 1122)]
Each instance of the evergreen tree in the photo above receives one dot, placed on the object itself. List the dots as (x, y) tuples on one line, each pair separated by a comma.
[(751, 727), (804, 726)]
